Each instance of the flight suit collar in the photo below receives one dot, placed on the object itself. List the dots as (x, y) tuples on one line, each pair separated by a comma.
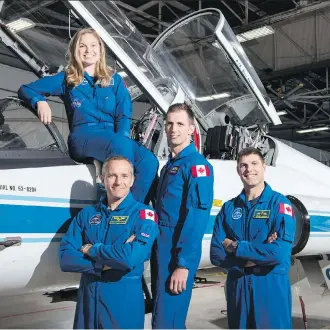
[(103, 205), (264, 197), (188, 150), (89, 78)]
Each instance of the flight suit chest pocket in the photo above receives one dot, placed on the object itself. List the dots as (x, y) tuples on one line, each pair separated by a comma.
[(119, 230), (93, 229), (173, 184), (260, 225), (107, 101), (233, 223)]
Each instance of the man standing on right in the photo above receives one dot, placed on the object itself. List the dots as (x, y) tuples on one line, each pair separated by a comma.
[(252, 238), (184, 200)]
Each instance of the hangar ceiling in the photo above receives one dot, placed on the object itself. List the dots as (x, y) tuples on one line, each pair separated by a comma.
[(292, 62)]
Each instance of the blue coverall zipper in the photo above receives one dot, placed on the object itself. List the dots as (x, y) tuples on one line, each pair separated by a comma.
[(107, 214), (170, 163)]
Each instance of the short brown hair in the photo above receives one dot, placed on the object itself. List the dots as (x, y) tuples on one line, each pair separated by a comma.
[(250, 151), (182, 107), (113, 158)]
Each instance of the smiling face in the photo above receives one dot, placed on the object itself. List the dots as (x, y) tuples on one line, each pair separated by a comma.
[(251, 169), (117, 179), (89, 50)]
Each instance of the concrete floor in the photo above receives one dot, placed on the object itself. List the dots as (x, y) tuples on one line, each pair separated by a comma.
[(207, 308)]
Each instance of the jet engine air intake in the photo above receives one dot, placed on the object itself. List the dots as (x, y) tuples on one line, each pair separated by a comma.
[(302, 225)]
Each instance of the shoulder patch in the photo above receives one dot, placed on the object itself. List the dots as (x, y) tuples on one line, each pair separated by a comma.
[(95, 219), (286, 209), (148, 214), (200, 170)]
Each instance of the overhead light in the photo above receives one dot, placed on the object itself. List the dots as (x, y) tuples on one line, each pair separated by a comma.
[(255, 33), (212, 97), (315, 129), (281, 113), (20, 24)]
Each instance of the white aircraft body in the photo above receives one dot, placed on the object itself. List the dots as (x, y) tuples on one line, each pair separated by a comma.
[(197, 60)]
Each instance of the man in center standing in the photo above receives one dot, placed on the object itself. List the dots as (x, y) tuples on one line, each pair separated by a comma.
[(183, 203)]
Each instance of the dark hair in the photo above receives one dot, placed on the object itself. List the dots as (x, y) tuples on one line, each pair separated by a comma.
[(182, 107), (113, 158), (249, 151)]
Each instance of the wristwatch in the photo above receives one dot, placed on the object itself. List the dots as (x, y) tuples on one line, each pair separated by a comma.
[(84, 247)]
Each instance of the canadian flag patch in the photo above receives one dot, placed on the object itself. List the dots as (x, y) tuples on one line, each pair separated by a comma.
[(200, 170), (148, 214), (286, 209)]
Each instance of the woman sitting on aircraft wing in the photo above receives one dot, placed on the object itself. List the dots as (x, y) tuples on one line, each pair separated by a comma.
[(98, 108)]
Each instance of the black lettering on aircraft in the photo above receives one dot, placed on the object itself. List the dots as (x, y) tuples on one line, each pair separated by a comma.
[(17, 188)]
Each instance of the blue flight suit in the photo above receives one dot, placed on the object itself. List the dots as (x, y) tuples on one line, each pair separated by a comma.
[(183, 203), (99, 121), (109, 299), (259, 296)]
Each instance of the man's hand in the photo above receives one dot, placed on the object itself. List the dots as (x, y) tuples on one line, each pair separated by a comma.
[(228, 245), (130, 239), (272, 238), (86, 249), (105, 267), (249, 264), (178, 280)]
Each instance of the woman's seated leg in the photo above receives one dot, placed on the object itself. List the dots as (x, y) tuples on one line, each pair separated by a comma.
[(146, 174)]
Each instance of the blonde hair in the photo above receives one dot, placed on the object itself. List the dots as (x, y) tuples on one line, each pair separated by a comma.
[(74, 69)]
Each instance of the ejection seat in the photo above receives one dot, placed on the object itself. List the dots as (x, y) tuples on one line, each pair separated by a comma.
[(219, 142)]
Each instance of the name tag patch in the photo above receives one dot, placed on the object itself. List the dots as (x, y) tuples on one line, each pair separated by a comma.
[(174, 170), (261, 214), (119, 220), (95, 219)]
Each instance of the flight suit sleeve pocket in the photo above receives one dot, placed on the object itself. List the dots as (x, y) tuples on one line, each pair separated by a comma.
[(144, 233), (289, 228), (202, 194), (143, 237)]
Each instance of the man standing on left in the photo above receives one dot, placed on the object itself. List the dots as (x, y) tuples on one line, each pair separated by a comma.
[(108, 243)]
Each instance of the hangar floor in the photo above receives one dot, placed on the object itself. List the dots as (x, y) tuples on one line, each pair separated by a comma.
[(207, 309)]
